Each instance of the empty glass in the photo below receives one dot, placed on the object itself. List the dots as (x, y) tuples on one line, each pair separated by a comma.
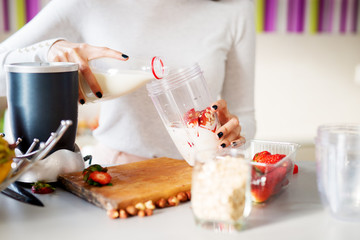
[(338, 169)]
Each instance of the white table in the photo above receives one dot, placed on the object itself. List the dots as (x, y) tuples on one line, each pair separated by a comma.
[(296, 214)]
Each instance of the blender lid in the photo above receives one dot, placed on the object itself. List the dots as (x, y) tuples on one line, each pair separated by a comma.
[(41, 67)]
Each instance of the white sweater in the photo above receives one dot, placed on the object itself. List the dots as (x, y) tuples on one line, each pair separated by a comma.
[(219, 35)]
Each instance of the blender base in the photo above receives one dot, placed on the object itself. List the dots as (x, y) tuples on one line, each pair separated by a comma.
[(60, 162)]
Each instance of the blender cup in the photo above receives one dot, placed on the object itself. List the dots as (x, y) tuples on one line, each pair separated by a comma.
[(183, 102)]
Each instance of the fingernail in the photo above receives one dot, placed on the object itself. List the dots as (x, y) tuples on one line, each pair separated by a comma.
[(125, 56), (233, 144), (214, 107), (99, 94), (82, 101), (223, 145), (220, 134)]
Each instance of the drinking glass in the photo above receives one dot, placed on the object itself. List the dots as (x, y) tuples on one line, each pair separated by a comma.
[(338, 169)]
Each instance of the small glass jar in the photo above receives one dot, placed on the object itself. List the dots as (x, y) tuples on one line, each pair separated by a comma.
[(117, 78), (220, 192)]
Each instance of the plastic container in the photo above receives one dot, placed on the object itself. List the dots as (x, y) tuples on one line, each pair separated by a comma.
[(268, 180), (183, 102), (338, 169), (117, 78), (220, 192)]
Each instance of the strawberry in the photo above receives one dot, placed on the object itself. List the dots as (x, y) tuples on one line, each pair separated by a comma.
[(42, 188), (272, 159), (258, 156), (96, 175), (93, 168), (266, 158), (102, 178), (268, 180), (204, 118), (274, 181), (191, 118), (296, 169)]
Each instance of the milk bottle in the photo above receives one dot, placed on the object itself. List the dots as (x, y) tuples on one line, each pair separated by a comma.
[(117, 78)]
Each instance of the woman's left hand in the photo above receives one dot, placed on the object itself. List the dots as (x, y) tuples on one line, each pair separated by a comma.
[(229, 132)]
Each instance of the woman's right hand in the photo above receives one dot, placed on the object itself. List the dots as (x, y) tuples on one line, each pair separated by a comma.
[(81, 53)]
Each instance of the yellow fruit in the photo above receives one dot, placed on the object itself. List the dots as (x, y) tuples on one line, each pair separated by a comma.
[(4, 170), (6, 158)]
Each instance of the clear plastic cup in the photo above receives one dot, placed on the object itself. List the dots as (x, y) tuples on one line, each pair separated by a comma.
[(338, 169), (117, 78), (183, 101), (220, 191)]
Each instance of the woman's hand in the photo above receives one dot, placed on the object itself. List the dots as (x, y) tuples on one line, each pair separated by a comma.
[(81, 53), (229, 132)]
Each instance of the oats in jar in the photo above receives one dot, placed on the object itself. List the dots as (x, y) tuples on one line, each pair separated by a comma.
[(220, 189)]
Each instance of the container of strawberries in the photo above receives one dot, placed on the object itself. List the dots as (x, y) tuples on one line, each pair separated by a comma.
[(272, 168)]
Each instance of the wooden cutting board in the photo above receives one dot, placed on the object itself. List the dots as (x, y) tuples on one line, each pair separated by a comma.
[(133, 183)]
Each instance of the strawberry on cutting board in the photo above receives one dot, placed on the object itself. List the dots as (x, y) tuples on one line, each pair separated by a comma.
[(96, 175), (103, 178)]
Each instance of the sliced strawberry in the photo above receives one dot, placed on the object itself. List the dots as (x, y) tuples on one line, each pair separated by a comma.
[(191, 118), (103, 178), (296, 169), (42, 188), (206, 117)]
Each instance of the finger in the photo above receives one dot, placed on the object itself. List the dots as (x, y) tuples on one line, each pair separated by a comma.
[(56, 59), (231, 126), (63, 57), (238, 142), (225, 142), (98, 52), (220, 107), (81, 95), (87, 74)]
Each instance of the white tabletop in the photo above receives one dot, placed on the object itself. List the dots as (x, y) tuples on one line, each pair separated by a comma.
[(296, 214)]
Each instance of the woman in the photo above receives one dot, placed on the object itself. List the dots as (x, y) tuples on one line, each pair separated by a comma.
[(219, 35)]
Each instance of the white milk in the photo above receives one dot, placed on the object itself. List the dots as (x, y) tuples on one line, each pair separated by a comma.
[(116, 84), (189, 140)]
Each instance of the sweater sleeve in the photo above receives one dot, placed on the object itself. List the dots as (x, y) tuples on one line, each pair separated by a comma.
[(32, 42), (238, 87)]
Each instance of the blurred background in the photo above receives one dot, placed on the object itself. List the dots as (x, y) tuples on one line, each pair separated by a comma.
[(307, 66)]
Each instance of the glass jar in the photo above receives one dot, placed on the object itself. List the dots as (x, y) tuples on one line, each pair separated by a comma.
[(220, 189), (117, 78), (183, 102)]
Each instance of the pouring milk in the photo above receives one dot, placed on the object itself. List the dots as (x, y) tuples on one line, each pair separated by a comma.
[(117, 78)]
